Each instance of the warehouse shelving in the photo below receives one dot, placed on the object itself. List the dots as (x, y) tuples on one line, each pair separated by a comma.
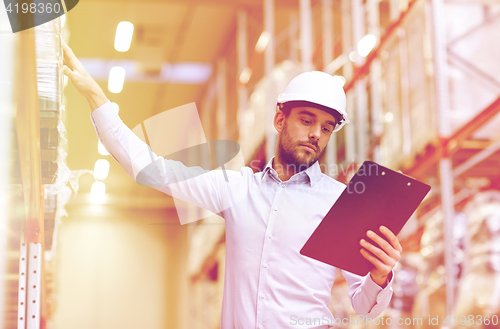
[(35, 162), (458, 160)]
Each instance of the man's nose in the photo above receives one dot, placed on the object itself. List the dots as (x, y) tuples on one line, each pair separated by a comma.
[(315, 132)]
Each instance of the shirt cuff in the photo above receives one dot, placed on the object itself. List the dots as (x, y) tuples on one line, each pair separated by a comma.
[(373, 288)]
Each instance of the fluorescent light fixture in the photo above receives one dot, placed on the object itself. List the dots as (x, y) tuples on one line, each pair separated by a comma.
[(123, 37), (97, 192), (101, 149), (263, 41), (341, 79), (366, 44), (186, 72), (180, 72), (116, 79), (336, 64), (388, 117), (116, 107), (101, 169), (353, 56), (279, 74), (245, 75)]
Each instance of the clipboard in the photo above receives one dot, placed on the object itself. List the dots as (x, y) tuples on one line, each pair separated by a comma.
[(375, 196)]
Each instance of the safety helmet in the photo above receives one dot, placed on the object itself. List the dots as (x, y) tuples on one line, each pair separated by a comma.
[(320, 90)]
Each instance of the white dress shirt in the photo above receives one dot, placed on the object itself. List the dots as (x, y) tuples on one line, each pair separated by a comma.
[(267, 284)]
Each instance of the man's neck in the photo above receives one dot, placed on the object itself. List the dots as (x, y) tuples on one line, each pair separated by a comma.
[(284, 170)]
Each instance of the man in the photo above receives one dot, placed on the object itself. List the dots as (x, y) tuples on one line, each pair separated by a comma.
[(268, 284)]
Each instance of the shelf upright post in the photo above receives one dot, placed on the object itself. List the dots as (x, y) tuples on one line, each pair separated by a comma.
[(23, 283), (269, 61), (327, 15), (444, 131), (33, 301), (28, 138), (242, 55), (375, 77), (360, 117), (306, 37)]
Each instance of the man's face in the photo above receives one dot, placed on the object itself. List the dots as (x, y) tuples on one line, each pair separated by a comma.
[(303, 135)]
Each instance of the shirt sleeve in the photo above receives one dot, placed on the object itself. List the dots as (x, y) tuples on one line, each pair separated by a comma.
[(204, 188), (367, 297)]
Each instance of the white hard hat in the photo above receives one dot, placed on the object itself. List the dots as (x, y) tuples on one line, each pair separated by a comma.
[(320, 90)]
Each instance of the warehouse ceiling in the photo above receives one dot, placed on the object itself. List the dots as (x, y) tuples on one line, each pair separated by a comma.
[(166, 32)]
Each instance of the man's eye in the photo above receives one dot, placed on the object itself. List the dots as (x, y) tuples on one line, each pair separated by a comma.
[(326, 130), (306, 121)]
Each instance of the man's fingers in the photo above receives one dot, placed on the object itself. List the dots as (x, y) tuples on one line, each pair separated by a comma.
[(393, 246), (67, 71), (392, 238), (383, 256), (81, 79), (69, 58), (379, 240), (375, 261), (66, 54), (386, 246)]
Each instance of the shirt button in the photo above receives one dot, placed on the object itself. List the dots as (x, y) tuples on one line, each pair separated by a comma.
[(265, 265), (283, 185), (270, 236), (262, 296), (261, 327), (275, 208)]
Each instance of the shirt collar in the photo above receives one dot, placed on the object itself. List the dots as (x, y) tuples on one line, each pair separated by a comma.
[(313, 172)]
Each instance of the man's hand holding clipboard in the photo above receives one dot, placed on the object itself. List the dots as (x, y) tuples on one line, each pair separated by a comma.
[(369, 214), (383, 256)]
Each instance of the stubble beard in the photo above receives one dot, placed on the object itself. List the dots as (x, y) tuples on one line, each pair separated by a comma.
[(289, 151)]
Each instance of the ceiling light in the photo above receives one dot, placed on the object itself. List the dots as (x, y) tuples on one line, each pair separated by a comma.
[(389, 117), (279, 74), (263, 41), (97, 192), (123, 37), (180, 72), (245, 75), (366, 44), (353, 56), (101, 169), (116, 79), (336, 64), (101, 149), (186, 72)]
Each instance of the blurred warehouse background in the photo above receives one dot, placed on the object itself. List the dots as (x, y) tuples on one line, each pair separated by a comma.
[(423, 89)]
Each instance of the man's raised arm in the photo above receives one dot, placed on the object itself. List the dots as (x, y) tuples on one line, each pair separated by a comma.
[(204, 188)]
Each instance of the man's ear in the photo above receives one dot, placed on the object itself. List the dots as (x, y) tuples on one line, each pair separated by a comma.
[(279, 120)]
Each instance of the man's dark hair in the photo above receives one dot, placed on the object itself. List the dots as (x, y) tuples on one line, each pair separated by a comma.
[(288, 106)]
